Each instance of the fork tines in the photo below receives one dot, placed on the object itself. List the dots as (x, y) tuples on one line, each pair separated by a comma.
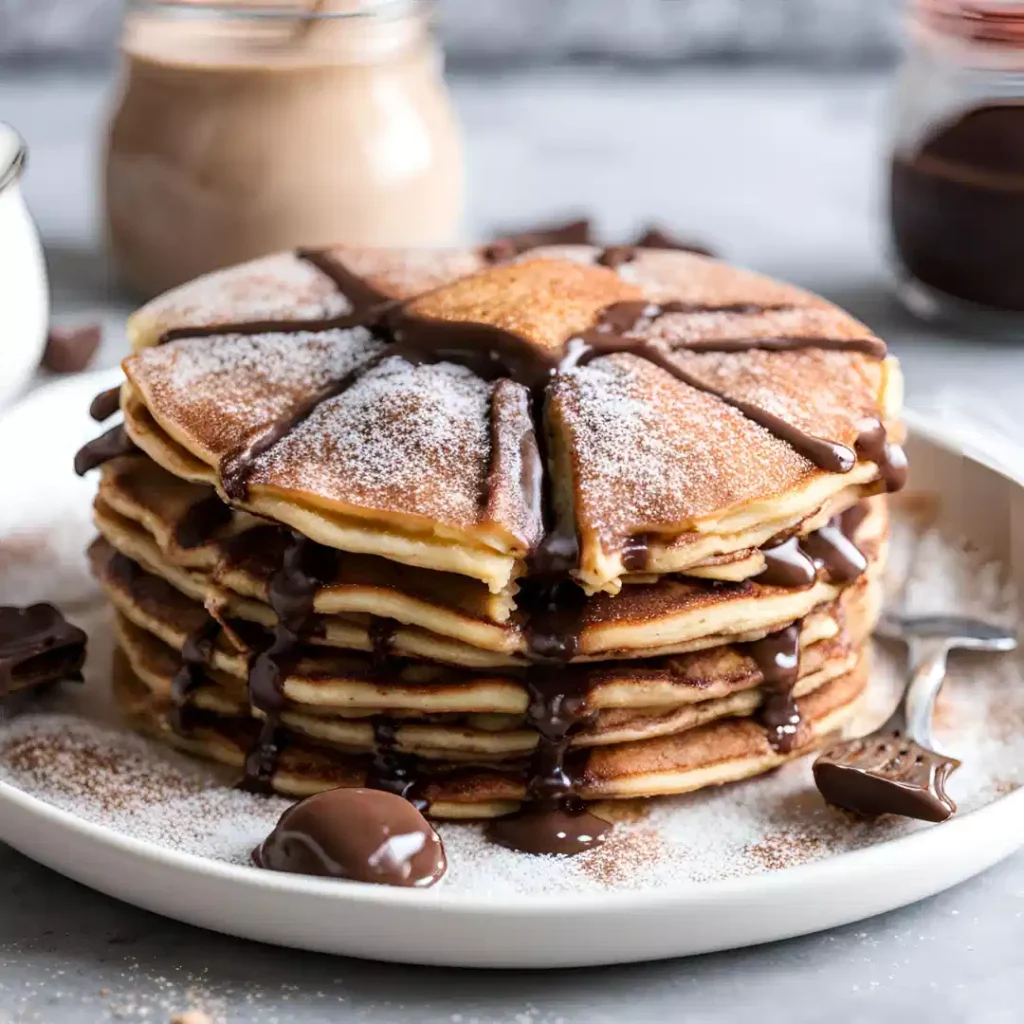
[(886, 774)]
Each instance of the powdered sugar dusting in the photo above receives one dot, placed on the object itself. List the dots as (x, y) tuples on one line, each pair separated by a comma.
[(826, 393), (124, 782), (117, 780), (412, 439), (222, 387), (278, 287), (639, 461)]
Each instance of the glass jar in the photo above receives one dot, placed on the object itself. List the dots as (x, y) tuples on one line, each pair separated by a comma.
[(957, 172), (244, 128)]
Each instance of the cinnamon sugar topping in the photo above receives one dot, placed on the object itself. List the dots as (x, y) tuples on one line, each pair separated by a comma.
[(222, 388), (403, 438), (279, 287), (629, 425)]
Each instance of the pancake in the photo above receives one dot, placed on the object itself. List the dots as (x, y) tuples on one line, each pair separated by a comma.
[(723, 406), (145, 498), (492, 737), (489, 526), (711, 754), (666, 617), (154, 630), (419, 444)]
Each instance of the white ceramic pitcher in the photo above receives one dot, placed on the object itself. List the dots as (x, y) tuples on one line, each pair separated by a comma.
[(24, 296)]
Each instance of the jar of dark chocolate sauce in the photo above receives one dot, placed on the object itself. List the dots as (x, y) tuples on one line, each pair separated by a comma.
[(957, 174)]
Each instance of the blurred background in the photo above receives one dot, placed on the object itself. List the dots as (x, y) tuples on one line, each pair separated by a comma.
[(498, 34), (761, 129)]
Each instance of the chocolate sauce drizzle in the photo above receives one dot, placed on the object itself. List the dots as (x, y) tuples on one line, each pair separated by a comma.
[(625, 318), (777, 657), (787, 565), (366, 301), (236, 466), (831, 550), (796, 562), (507, 247), (382, 636), (105, 404), (553, 819), (580, 232), (552, 602), (557, 705), (291, 594), (115, 442), (202, 520), (890, 458), (305, 567), (363, 296), (391, 769), (262, 758), (195, 657), (609, 338)]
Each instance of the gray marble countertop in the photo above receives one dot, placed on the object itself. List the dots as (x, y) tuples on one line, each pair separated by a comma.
[(778, 171)]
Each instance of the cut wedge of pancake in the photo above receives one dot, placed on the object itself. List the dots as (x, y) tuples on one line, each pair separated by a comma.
[(140, 517), (394, 465), (717, 752)]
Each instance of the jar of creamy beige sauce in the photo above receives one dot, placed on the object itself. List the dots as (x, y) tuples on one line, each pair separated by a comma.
[(244, 128)]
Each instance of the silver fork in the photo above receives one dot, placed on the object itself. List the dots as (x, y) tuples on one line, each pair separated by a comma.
[(895, 769)]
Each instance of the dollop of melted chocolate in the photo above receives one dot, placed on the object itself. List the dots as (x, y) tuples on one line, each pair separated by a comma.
[(557, 829), (361, 834)]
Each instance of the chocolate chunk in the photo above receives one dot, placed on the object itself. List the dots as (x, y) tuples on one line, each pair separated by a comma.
[(362, 834), (615, 255), (71, 349), (506, 246), (38, 646), (655, 237), (886, 774)]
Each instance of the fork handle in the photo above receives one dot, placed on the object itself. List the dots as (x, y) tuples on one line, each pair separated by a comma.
[(927, 671)]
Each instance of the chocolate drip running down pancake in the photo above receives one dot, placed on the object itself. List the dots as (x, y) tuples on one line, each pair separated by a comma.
[(622, 457)]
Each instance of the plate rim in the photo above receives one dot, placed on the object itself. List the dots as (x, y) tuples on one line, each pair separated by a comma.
[(763, 885)]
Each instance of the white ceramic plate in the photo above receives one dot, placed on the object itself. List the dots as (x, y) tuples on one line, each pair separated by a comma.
[(444, 927)]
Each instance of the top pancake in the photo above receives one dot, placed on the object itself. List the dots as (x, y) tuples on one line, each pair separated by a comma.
[(432, 465)]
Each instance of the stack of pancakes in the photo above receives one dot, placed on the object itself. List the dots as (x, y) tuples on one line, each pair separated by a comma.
[(488, 527)]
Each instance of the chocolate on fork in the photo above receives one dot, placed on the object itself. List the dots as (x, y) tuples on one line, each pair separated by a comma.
[(38, 646), (896, 769)]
